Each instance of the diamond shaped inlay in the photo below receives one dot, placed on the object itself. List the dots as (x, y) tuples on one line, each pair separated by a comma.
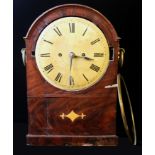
[(72, 116)]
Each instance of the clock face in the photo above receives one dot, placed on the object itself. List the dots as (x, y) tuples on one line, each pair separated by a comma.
[(72, 53)]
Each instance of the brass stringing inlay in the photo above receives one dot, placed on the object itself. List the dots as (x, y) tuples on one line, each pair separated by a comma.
[(72, 116)]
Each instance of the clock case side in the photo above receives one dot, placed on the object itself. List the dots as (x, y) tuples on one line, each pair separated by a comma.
[(46, 103)]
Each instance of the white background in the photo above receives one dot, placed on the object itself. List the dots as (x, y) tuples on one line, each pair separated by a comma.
[(148, 77), (6, 77)]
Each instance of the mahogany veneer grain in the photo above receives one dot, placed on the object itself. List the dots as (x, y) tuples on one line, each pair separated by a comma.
[(46, 103)]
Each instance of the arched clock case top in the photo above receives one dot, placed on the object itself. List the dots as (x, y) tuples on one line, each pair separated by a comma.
[(59, 117), (66, 11)]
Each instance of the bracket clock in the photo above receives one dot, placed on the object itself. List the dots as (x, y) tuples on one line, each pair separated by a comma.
[(72, 55)]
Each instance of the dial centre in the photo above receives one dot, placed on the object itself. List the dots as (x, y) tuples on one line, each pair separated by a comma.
[(71, 54)]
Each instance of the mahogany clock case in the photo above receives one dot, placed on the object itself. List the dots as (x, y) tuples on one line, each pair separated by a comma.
[(124, 29), (46, 103)]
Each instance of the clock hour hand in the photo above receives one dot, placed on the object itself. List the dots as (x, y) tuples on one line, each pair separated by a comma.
[(84, 57), (87, 58)]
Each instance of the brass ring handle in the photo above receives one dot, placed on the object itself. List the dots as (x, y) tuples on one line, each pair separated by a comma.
[(133, 139), (121, 57), (23, 55)]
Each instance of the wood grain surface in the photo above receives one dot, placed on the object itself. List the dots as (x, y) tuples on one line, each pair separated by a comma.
[(46, 103)]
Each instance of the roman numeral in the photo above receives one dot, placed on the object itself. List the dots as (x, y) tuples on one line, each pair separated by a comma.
[(95, 41), (45, 55), (48, 68), (85, 77), (48, 41), (85, 32), (58, 77), (71, 81), (94, 68), (57, 31), (72, 27), (98, 54)]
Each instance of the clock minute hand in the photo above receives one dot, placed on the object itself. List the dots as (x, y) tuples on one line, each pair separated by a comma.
[(71, 55)]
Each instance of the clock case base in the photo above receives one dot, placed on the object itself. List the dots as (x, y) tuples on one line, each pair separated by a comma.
[(47, 127), (66, 140)]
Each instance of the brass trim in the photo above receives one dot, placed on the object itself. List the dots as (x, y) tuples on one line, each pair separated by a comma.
[(121, 56), (72, 116), (111, 86), (23, 52), (133, 139)]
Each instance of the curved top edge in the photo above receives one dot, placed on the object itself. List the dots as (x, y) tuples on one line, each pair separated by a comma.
[(66, 5)]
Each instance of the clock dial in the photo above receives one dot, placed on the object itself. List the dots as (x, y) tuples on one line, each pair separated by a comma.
[(72, 53)]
